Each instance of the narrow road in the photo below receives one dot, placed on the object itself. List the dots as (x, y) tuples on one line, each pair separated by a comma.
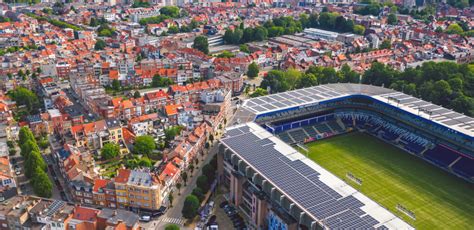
[(173, 215)]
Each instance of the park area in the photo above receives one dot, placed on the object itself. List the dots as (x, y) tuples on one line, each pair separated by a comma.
[(392, 177)]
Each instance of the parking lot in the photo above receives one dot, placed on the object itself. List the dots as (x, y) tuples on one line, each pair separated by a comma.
[(227, 215)]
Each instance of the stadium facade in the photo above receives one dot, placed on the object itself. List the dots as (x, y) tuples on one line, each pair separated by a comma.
[(277, 187)]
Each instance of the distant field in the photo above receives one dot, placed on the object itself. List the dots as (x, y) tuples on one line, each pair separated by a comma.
[(391, 176)]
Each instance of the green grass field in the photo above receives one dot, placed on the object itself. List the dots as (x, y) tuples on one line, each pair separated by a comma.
[(391, 176)]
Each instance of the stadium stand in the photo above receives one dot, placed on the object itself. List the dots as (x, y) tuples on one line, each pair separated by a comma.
[(464, 167), (441, 155)]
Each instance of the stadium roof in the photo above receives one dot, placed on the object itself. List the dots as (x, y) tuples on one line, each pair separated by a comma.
[(324, 197), (313, 95)]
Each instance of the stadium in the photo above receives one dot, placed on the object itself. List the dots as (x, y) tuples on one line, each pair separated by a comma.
[(342, 156)]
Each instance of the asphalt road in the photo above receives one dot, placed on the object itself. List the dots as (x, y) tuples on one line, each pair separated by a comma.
[(173, 215)]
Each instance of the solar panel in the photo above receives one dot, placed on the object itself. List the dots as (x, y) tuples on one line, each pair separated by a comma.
[(298, 180)]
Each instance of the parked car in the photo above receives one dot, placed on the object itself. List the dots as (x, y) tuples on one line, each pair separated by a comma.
[(145, 218), (223, 204)]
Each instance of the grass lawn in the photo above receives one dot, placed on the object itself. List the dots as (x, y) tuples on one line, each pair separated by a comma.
[(391, 176)]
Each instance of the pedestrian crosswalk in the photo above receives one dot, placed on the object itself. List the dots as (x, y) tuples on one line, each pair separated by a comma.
[(178, 221)]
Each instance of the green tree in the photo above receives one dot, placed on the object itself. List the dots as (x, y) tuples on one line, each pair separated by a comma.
[(209, 171), (42, 185), (191, 168), (27, 147), (244, 48), (359, 29), (178, 186), (203, 183), (173, 30), (116, 85), (145, 162), (392, 19), (144, 145), (276, 81), (170, 11), (100, 44), (252, 71), (109, 151), (190, 207), (304, 19), (158, 81), (170, 198), (198, 193), (260, 33), (25, 97), (136, 94), (25, 135), (172, 132), (201, 44), (454, 28), (172, 227), (34, 161), (259, 92), (184, 177), (307, 80), (386, 44)]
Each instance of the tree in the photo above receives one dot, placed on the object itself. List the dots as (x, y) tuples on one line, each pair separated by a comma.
[(145, 162), (359, 29), (170, 198), (172, 132), (191, 168), (276, 81), (201, 44), (27, 147), (178, 186), (100, 44), (211, 137), (172, 227), (25, 135), (136, 94), (116, 85), (203, 183), (170, 11), (244, 48), (439, 29), (454, 28), (190, 207), (386, 44), (173, 30), (184, 177), (304, 19), (260, 33), (198, 193), (193, 24), (42, 185), (110, 151), (209, 171), (158, 81), (34, 161), (259, 92), (252, 71), (392, 19), (144, 145), (25, 97)]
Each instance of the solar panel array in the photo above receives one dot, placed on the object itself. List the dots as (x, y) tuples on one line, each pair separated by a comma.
[(299, 181), (290, 99), (437, 113)]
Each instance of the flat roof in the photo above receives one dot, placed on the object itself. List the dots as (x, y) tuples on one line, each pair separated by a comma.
[(312, 95), (323, 196)]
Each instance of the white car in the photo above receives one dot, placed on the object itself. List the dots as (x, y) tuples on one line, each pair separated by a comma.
[(145, 218)]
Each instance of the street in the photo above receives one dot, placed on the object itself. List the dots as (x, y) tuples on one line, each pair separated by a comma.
[(173, 215)]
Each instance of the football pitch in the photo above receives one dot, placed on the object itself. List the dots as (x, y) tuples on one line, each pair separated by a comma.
[(391, 176)]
